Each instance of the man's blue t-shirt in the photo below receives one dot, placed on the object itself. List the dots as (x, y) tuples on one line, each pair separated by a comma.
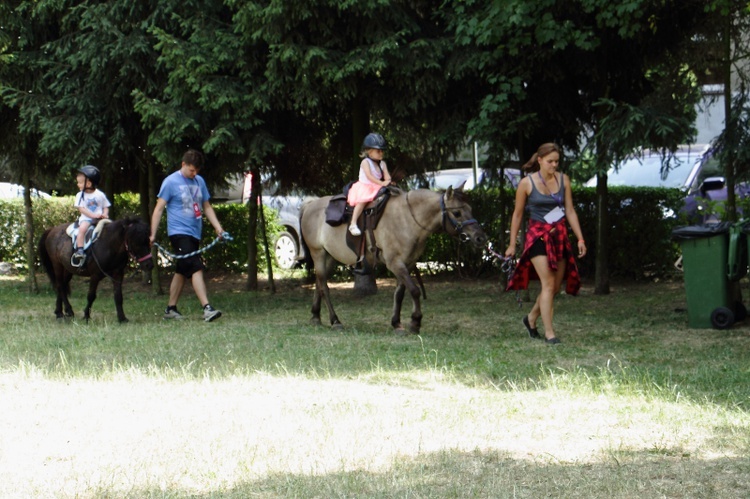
[(181, 195)]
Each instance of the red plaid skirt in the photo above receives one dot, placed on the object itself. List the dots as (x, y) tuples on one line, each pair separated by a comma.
[(557, 245)]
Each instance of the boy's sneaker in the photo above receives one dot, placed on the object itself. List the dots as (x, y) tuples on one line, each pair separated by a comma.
[(173, 313), (78, 258), (210, 313)]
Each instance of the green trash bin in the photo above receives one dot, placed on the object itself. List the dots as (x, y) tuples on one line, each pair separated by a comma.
[(713, 262)]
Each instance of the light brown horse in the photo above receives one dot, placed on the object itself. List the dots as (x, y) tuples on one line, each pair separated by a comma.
[(408, 220)]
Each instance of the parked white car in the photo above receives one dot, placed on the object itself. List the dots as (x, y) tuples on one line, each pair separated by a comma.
[(453, 177)]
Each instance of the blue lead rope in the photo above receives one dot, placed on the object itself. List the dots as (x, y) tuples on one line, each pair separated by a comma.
[(224, 237)]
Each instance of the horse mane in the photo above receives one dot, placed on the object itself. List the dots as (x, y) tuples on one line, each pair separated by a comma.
[(459, 194)]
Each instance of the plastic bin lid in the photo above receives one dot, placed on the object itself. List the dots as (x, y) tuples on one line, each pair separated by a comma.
[(698, 231)]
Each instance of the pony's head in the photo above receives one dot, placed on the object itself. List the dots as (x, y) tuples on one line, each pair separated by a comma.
[(137, 242), (458, 220)]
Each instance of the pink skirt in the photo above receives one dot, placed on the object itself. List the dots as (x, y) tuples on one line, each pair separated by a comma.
[(360, 192)]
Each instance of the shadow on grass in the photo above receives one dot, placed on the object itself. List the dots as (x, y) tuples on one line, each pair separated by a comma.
[(455, 474)]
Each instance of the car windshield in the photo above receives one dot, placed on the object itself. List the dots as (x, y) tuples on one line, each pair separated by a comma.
[(646, 172)]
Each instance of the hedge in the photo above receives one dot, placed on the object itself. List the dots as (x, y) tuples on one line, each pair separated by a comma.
[(640, 245)]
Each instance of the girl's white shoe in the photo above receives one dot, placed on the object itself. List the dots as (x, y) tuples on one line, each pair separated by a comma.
[(354, 230)]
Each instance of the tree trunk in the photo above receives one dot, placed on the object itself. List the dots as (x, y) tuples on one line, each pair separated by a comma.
[(152, 192), (252, 230), (364, 285), (601, 279), (266, 246), (731, 203), (360, 128), (143, 207), (29, 219)]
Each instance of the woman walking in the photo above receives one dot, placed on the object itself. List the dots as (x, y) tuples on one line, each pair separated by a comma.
[(547, 252)]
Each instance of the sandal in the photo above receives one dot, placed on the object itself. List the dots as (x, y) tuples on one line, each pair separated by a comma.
[(533, 332)]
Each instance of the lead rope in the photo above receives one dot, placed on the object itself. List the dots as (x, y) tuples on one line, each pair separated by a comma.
[(508, 266), (224, 237)]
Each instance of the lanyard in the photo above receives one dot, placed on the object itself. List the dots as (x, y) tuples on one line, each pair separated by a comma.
[(556, 197), (196, 209), (190, 191)]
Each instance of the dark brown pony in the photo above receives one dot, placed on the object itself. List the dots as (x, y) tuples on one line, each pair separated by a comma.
[(108, 256), (408, 220)]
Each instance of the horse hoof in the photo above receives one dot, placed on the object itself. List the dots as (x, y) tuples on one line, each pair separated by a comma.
[(316, 322), (337, 326), (399, 331)]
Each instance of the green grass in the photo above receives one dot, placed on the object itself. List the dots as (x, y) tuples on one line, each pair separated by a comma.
[(261, 404)]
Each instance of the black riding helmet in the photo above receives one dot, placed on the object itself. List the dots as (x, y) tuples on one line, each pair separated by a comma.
[(374, 141), (92, 173)]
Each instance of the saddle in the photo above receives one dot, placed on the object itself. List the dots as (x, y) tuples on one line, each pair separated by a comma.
[(92, 234), (369, 222)]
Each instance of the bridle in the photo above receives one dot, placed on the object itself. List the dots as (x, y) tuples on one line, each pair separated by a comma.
[(142, 259), (457, 225)]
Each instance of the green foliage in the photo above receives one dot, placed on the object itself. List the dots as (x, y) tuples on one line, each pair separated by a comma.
[(47, 213), (639, 235)]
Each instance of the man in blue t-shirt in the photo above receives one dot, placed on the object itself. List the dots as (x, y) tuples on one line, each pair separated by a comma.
[(186, 199)]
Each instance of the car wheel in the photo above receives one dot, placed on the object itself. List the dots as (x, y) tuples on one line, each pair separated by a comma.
[(285, 250)]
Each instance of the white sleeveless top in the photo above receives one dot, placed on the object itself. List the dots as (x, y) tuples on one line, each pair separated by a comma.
[(374, 170)]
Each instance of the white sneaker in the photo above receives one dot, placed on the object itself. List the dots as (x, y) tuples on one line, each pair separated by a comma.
[(354, 230), (172, 313), (210, 313)]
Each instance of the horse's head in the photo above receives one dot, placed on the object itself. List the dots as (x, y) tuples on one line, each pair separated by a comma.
[(137, 242), (458, 220)]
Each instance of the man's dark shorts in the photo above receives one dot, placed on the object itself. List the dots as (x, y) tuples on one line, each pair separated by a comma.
[(183, 245)]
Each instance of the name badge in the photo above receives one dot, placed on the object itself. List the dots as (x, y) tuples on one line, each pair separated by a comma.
[(555, 215), (196, 210)]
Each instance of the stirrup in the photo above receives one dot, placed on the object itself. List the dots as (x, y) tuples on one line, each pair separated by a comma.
[(77, 260)]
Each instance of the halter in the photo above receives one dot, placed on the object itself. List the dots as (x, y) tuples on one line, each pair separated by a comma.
[(457, 226), (142, 259)]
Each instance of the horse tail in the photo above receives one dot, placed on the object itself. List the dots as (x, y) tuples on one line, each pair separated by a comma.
[(44, 255), (305, 248)]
